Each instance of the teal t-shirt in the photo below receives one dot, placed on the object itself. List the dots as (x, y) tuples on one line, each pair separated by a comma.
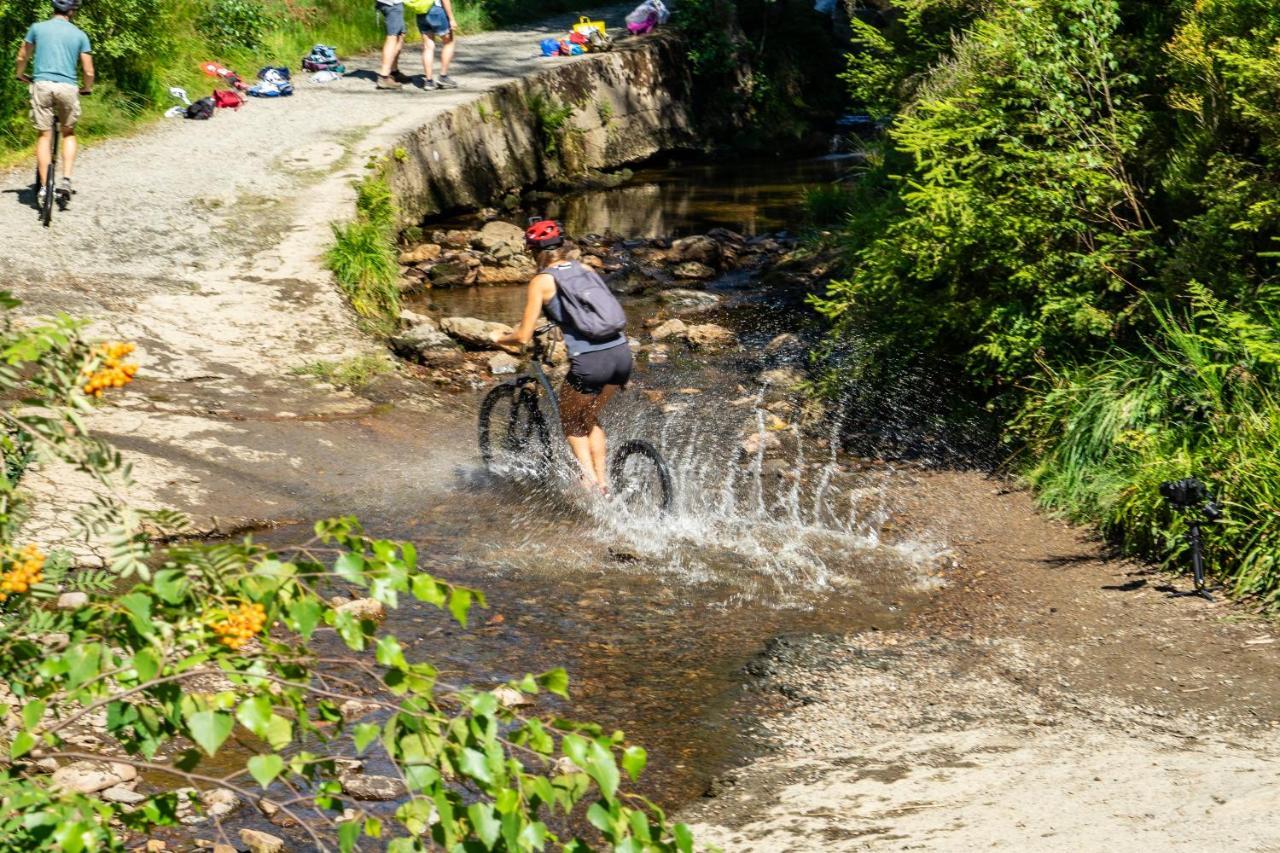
[(59, 44)]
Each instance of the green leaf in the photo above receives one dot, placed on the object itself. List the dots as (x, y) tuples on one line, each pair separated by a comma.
[(147, 664), (426, 588), (139, 607), (209, 729), (265, 768), (474, 764), (305, 614), (350, 567), (279, 732), (389, 653), (365, 734), (348, 835), (22, 744), (603, 770), (82, 663), (33, 713), (555, 681), (634, 759), (460, 604), (684, 837), (487, 826), (255, 714)]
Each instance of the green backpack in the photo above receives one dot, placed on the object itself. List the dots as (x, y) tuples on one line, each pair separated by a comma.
[(420, 7)]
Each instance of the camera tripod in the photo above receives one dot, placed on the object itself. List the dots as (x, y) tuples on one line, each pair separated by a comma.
[(1197, 562)]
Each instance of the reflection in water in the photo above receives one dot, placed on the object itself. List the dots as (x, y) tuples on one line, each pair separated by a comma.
[(752, 197)]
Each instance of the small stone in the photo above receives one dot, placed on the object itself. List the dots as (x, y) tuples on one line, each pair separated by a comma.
[(89, 777), (456, 239), (699, 249), (752, 444), (671, 329), (261, 842), (365, 609), (449, 275), (494, 276), (659, 353), (372, 787), (123, 795), (502, 363), (694, 270), (72, 601), (224, 848), (787, 347), (421, 339), (419, 254), (709, 336), (783, 377), (354, 709), (564, 766), (509, 697), (681, 300), (56, 641), (219, 802), (155, 845)]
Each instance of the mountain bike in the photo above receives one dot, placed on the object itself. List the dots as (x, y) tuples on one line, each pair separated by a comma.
[(45, 200), (515, 437)]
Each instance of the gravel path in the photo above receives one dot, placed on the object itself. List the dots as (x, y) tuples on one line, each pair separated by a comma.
[(203, 242)]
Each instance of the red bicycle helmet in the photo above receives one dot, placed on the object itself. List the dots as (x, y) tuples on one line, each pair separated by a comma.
[(543, 234)]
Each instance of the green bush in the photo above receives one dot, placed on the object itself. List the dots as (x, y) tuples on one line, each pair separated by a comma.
[(364, 256), (228, 24)]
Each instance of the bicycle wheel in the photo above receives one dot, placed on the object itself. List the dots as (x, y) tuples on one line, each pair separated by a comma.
[(513, 434), (641, 479)]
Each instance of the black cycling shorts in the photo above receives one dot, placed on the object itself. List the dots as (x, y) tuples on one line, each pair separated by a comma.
[(591, 371)]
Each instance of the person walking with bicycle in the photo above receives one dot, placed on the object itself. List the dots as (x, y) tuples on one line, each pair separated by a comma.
[(57, 46), (577, 299)]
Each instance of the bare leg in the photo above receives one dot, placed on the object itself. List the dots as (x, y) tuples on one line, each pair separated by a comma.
[(69, 149), (446, 55), (429, 57), (44, 154), (577, 414), (390, 55), (598, 443)]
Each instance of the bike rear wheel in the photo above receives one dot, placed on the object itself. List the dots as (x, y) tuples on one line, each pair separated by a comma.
[(640, 477), (50, 181), (513, 434)]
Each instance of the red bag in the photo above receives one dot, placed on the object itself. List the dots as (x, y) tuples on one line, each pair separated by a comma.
[(577, 38), (226, 99)]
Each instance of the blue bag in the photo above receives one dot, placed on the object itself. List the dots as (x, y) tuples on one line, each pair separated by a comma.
[(550, 47)]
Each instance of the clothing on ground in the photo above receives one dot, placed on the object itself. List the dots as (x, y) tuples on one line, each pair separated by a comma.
[(393, 17), (590, 372), (54, 100), (58, 44)]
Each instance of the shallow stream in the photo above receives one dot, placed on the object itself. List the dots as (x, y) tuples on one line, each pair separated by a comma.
[(655, 617)]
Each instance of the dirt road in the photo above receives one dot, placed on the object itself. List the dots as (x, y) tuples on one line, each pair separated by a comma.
[(1050, 699)]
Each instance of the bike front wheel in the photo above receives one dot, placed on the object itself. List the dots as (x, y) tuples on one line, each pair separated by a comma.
[(513, 434), (641, 478)]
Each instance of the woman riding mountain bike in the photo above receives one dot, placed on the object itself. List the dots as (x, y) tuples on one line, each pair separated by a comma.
[(575, 297)]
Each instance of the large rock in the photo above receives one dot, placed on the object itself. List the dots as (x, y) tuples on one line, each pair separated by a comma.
[(783, 377), (671, 329), (261, 842), (786, 348), (123, 795), (503, 363), (757, 441), (420, 254), (500, 238), (688, 300), (698, 248), (89, 777), (709, 336), (363, 787), (219, 802), (422, 338), (694, 270), (473, 333), (451, 274), (502, 275), (72, 601)]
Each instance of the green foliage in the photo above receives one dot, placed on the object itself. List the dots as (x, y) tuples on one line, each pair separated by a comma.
[(229, 24), (1055, 171), (188, 650), (363, 256), (551, 121), (354, 372)]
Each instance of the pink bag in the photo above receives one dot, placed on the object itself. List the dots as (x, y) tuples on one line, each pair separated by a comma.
[(639, 28)]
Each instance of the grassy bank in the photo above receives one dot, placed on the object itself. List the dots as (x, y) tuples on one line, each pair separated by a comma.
[(143, 47), (1074, 216)]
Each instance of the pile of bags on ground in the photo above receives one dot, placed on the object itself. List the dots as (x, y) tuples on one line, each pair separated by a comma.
[(587, 36), (647, 16)]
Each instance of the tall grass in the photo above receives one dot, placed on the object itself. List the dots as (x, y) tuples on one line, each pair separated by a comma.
[(1198, 400), (363, 255)]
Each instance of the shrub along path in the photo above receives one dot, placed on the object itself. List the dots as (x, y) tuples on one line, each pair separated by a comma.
[(203, 242)]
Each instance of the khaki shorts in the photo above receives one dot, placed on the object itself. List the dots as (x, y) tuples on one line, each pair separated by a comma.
[(54, 99)]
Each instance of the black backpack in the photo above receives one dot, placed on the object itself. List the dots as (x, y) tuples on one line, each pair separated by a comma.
[(589, 306), (201, 109)]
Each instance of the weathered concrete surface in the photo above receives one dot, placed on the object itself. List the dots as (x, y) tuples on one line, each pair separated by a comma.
[(203, 242), (627, 106)]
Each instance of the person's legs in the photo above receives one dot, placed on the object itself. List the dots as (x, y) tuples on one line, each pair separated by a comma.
[(69, 149), (596, 439), (44, 154), (428, 56), (393, 16), (577, 418), (446, 53)]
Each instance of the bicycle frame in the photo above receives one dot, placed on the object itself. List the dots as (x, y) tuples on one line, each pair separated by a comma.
[(536, 362)]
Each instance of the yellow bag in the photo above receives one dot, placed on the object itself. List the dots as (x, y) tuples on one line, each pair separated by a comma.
[(586, 25)]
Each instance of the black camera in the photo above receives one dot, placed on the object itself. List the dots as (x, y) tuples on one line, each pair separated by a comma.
[(1190, 493), (1184, 494)]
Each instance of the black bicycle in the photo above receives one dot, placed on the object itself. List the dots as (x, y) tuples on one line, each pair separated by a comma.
[(46, 185), (515, 437)]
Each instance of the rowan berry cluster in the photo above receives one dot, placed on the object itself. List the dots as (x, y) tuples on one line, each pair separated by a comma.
[(27, 570), (239, 625), (114, 372)]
